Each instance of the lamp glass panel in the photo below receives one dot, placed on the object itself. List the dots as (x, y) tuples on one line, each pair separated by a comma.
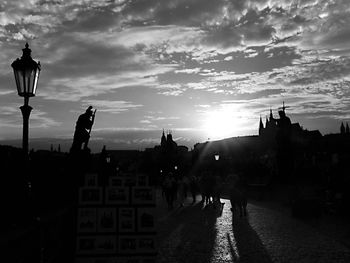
[(36, 80), (21, 81), (28, 86), (17, 78)]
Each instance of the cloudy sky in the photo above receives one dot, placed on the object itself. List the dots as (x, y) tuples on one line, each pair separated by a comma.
[(201, 68)]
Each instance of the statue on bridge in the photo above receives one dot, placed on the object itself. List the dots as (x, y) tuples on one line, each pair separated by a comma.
[(83, 129)]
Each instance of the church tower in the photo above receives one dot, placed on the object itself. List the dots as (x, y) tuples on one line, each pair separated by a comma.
[(271, 123), (271, 115), (342, 128), (169, 137), (163, 140), (261, 127)]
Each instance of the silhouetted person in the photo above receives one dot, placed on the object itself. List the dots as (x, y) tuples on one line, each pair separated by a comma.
[(201, 187), (193, 187), (237, 192), (217, 192), (163, 188), (182, 188), (186, 183), (82, 130), (284, 145), (169, 186), (208, 185)]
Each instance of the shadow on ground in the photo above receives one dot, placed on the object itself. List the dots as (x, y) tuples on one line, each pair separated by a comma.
[(188, 235), (247, 245)]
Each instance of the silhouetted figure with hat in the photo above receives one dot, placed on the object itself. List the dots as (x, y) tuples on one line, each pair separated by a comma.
[(82, 130), (284, 145)]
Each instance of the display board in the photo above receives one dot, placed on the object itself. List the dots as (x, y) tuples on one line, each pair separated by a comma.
[(116, 223)]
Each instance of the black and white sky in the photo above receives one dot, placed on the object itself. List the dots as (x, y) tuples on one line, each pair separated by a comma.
[(201, 68)]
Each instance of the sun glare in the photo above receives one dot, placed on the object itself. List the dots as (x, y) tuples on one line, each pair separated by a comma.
[(219, 124)]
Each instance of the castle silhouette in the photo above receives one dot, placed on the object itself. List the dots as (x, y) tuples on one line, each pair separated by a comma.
[(283, 129), (275, 128)]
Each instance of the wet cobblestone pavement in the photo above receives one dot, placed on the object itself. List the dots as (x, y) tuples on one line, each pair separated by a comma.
[(202, 234)]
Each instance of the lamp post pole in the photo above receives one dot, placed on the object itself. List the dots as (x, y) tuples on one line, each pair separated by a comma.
[(26, 110), (26, 72)]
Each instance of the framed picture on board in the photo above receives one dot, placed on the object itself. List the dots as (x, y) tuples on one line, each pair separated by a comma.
[(142, 180), (107, 220), (143, 195), (146, 244), (130, 180), (126, 220), (91, 180), (106, 244), (116, 181), (127, 244), (86, 245), (146, 219), (90, 195), (87, 220), (117, 195)]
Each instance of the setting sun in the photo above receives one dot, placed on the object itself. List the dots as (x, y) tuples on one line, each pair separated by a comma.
[(227, 121), (219, 124)]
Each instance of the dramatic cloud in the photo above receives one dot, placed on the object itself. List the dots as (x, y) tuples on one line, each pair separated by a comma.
[(111, 106), (180, 64)]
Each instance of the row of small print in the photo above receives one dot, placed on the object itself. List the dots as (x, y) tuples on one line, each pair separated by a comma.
[(113, 259), (139, 180), (101, 220), (116, 195), (92, 245)]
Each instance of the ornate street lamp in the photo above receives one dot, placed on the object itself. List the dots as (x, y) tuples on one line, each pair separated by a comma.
[(26, 72)]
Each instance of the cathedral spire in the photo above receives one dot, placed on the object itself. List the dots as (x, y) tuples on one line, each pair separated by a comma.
[(163, 139), (347, 131), (342, 128), (271, 115), (261, 126)]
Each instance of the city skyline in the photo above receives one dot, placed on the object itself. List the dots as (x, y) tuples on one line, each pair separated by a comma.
[(203, 69)]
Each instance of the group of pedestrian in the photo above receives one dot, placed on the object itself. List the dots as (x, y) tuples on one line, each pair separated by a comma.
[(176, 188), (211, 188)]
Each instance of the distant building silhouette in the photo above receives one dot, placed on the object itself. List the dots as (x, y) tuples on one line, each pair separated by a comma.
[(167, 145), (165, 156)]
